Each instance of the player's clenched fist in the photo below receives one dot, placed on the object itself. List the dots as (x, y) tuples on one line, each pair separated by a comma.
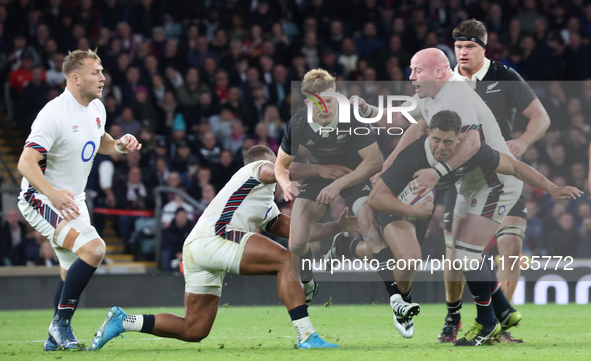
[(127, 143)]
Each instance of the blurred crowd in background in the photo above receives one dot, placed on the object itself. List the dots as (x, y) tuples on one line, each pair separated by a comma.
[(200, 82)]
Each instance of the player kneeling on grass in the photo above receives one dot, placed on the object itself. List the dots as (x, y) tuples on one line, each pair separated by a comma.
[(404, 225), (223, 240)]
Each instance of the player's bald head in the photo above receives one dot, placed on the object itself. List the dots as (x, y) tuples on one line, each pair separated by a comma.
[(431, 58)]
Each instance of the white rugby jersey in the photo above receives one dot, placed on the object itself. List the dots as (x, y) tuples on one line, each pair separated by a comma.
[(244, 204), (69, 135), (457, 95)]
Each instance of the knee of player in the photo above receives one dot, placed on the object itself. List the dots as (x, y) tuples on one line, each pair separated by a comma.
[(80, 237), (299, 248), (196, 334), (510, 239)]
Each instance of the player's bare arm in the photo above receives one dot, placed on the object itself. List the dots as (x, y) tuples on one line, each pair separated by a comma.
[(382, 199), (282, 173), (412, 133), (63, 200), (371, 164), (426, 179), (529, 175), (539, 122), (321, 231), (126, 144)]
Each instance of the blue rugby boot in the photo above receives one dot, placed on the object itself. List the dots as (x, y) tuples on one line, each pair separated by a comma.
[(111, 328), (315, 341), (50, 345)]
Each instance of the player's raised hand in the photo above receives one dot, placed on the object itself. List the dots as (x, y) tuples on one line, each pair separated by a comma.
[(333, 171), (517, 147), (564, 193), (328, 194), (424, 181), (348, 223), (362, 105), (127, 144), (64, 202)]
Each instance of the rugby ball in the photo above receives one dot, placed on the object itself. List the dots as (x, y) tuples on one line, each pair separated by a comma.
[(407, 197)]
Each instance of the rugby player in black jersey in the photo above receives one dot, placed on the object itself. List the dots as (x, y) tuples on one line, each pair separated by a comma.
[(506, 94), (354, 159), (404, 237)]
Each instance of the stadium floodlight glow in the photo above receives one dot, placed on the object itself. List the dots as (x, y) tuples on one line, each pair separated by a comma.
[(345, 116)]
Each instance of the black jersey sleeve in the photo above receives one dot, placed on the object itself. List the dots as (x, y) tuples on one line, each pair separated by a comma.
[(486, 158), (401, 172), (286, 141), (520, 91)]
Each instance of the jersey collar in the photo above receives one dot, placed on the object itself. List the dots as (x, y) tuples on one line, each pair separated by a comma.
[(430, 157), (70, 96), (333, 124), (479, 75)]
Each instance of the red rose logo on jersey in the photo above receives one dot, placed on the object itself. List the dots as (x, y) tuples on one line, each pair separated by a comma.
[(98, 123)]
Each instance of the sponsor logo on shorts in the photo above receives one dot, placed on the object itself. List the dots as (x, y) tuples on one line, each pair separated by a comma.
[(474, 202), (502, 210)]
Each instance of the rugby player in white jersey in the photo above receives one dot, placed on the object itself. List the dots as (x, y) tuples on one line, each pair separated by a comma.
[(223, 240), (55, 163)]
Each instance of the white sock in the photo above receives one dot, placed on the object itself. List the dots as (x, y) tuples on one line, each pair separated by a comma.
[(304, 328), (133, 322)]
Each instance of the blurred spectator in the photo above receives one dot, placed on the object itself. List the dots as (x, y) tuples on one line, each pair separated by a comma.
[(55, 75), (207, 195), (263, 137), (143, 110), (171, 208), (563, 240), (182, 158), (585, 245), (209, 152), (224, 170), (127, 122), (534, 233), (237, 136), (190, 91), (132, 195), (12, 233), (47, 256), (34, 96), (173, 238)]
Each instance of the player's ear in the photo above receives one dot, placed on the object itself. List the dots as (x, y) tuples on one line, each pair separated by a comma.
[(306, 102)]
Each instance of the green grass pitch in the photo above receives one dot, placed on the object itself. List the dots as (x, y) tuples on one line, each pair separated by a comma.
[(364, 332)]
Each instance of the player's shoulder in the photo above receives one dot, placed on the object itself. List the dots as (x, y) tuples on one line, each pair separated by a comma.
[(54, 107), (501, 71), (299, 118)]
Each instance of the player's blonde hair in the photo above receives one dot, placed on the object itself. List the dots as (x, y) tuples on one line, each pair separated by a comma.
[(317, 80), (75, 60)]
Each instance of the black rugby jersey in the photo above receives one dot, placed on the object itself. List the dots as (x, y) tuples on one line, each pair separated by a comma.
[(506, 93), (414, 158), (338, 148)]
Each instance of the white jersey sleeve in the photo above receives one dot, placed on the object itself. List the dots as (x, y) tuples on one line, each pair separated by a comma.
[(44, 131)]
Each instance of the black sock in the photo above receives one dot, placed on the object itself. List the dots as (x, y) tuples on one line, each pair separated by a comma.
[(406, 297), (58, 295), (298, 312), (500, 303), (479, 283), (453, 308), (148, 326), (76, 280), (385, 274), (347, 246), (306, 273)]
